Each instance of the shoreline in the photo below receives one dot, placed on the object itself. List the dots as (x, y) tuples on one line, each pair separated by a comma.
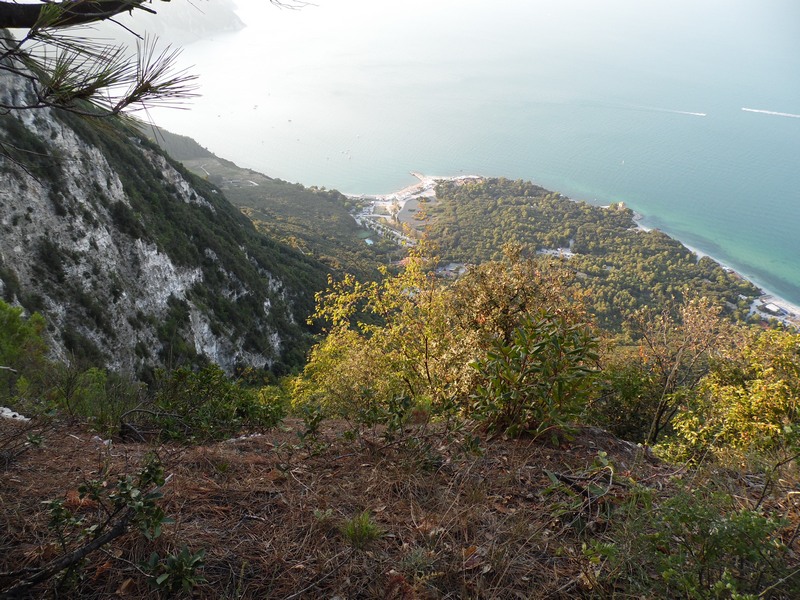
[(788, 312), (766, 296), (392, 205), (424, 187)]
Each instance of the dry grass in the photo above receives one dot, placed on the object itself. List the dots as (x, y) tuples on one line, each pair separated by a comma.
[(269, 514)]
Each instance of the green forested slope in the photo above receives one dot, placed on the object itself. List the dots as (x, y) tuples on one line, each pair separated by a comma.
[(621, 267), (316, 222)]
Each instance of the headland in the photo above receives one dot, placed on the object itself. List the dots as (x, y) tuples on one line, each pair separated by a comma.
[(390, 214)]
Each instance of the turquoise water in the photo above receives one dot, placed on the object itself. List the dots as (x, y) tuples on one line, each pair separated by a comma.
[(619, 100)]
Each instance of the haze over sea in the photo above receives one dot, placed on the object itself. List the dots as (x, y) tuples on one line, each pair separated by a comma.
[(613, 100)]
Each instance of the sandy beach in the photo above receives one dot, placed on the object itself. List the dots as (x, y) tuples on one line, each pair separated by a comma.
[(767, 297), (426, 187)]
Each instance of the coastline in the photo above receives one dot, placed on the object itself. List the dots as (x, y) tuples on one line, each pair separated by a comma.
[(766, 297), (394, 204), (424, 187)]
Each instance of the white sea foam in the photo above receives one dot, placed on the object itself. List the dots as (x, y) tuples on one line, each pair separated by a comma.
[(771, 112)]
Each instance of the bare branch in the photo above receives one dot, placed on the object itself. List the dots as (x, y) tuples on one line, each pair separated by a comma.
[(22, 588)]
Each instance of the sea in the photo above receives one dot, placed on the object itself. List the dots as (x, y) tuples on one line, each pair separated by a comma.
[(686, 110)]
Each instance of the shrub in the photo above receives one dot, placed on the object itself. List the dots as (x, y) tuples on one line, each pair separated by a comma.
[(50, 259), (749, 402), (702, 545), (539, 379), (94, 394), (412, 335), (627, 395), (111, 510), (343, 377), (206, 405), (22, 349), (176, 572)]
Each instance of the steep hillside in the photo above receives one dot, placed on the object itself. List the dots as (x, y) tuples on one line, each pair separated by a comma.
[(317, 222), (135, 262)]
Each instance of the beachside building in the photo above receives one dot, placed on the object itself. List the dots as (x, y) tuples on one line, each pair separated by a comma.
[(773, 309)]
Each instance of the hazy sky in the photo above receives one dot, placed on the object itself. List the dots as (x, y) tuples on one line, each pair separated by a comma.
[(336, 48), (337, 34), (478, 25), (600, 99), (332, 31)]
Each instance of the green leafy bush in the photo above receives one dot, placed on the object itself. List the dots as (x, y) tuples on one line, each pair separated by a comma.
[(207, 405), (538, 380), (749, 402), (94, 394), (176, 572), (412, 335), (103, 511), (702, 545), (22, 350)]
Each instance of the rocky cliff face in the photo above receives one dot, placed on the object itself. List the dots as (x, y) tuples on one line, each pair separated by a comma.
[(133, 261)]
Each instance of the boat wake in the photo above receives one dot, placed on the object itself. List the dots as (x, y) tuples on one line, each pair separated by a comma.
[(771, 112), (668, 110), (682, 112)]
